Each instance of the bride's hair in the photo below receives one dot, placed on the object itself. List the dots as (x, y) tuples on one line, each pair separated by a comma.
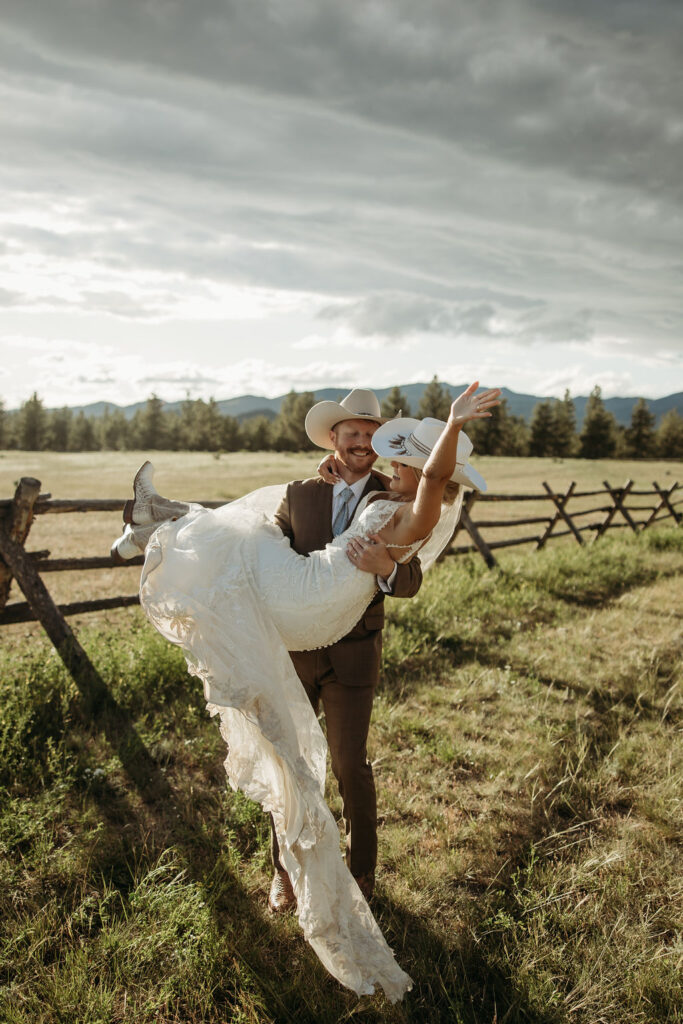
[(450, 494), (451, 491)]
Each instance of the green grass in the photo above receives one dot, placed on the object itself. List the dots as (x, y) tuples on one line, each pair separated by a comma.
[(526, 741)]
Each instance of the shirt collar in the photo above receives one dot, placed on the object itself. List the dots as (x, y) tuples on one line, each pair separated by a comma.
[(357, 488)]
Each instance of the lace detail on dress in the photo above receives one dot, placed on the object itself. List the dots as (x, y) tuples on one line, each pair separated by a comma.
[(366, 522)]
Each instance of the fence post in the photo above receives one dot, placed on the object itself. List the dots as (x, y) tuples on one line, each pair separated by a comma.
[(618, 496), (479, 542), (560, 501), (17, 523), (664, 503), (51, 619)]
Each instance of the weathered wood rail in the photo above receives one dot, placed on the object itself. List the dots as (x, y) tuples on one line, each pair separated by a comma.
[(28, 567), (560, 522)]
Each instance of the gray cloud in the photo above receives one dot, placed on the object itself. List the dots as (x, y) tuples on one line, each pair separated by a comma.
[(434, 168), (398, 315), (196, 379)]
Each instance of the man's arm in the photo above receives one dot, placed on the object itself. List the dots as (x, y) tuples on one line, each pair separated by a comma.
[(408, 579), (398, 579)]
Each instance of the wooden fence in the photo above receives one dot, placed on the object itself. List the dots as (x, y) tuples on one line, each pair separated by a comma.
[(585, 517)]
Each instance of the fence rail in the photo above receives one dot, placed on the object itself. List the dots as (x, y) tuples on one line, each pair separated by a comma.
[(28, 567)]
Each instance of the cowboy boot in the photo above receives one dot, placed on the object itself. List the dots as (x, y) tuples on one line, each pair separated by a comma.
[(131, 543), (148, 506)]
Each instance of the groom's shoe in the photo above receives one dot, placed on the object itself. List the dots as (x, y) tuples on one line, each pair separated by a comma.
[(366, 884), (281, 896)]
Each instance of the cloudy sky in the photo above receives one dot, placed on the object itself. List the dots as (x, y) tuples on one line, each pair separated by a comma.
[(230, 196)]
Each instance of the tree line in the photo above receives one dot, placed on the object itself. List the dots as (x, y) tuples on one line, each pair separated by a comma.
[(199, 425)]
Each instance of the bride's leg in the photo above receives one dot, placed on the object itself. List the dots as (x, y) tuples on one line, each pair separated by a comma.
[(148, 506)]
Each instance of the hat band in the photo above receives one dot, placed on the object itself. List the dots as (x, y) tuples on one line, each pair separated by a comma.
[(400, 445), (422, 448)]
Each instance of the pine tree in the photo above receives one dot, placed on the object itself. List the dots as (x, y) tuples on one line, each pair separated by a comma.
[(436, 401), (59, 429), (152, 424), (542, 429), (640, 437), (206, 424), (288, 432), (256, 434), (82, 434), (396, 402), (487, 434), (112, 430), (515, 436), (670, 435), (564, 427), (32, 424), (183, 427), (231, 435), (598, 437)]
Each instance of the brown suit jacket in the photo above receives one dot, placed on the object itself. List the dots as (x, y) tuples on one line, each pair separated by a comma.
[(305, 517)]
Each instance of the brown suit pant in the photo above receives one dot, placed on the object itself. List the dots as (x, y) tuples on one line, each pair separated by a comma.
[(347, 718)]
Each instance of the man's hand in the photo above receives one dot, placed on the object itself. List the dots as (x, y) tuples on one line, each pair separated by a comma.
[(371, 555)]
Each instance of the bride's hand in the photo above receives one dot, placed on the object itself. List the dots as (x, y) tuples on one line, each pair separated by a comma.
[(469, 406), (328, 469)]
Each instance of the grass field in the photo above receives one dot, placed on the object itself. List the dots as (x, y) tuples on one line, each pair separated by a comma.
[(526, 743), (204, 476)]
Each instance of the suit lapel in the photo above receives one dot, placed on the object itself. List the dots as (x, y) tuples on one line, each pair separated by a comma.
[(321, 515)]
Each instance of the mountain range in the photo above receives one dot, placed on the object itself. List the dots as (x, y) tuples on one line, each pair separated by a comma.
[(245, 406)]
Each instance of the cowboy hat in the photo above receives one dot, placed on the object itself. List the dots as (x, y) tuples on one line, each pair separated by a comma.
[(358, 405), (411, 441)]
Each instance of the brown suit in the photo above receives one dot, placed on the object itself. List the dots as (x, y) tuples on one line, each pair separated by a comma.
[(344, 676)]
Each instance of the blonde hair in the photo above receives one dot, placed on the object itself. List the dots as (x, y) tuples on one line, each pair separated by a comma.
[(451, 491)]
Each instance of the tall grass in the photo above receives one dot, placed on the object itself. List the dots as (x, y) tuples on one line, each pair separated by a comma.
[(526, 742)]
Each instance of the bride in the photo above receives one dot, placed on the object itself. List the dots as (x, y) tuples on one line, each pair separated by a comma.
[(227, 587)]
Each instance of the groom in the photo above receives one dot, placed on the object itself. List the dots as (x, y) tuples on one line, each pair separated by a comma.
[(344, 676)]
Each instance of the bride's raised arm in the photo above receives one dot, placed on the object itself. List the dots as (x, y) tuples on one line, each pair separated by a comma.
[(423, 514)]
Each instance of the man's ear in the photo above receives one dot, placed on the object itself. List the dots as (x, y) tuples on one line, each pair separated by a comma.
[(333, 438)]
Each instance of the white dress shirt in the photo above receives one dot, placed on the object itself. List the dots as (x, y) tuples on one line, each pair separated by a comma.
[(358, 487)]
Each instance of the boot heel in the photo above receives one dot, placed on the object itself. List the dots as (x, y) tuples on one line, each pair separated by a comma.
[(128, 511)]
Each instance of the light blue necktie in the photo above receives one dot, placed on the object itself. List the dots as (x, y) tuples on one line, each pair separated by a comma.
[(341, 520)]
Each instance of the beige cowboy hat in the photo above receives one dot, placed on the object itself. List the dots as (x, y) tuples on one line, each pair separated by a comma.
[(411, 441), (358, 405)]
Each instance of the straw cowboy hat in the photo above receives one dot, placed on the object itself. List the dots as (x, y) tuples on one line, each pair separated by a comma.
[(358, 405), (411, 441)]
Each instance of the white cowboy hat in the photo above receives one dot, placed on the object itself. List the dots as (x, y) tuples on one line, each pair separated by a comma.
[(358, 405), (411, 441)]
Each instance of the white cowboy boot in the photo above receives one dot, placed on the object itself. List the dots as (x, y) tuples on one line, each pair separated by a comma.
[(131, 543), (148, 506)]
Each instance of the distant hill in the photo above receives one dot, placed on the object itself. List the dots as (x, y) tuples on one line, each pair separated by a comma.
[(247, 406)]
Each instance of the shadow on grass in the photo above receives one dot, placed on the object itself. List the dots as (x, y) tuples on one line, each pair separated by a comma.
[(454, 980)]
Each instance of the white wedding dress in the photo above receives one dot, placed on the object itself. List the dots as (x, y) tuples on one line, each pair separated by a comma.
[(227, 587)]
